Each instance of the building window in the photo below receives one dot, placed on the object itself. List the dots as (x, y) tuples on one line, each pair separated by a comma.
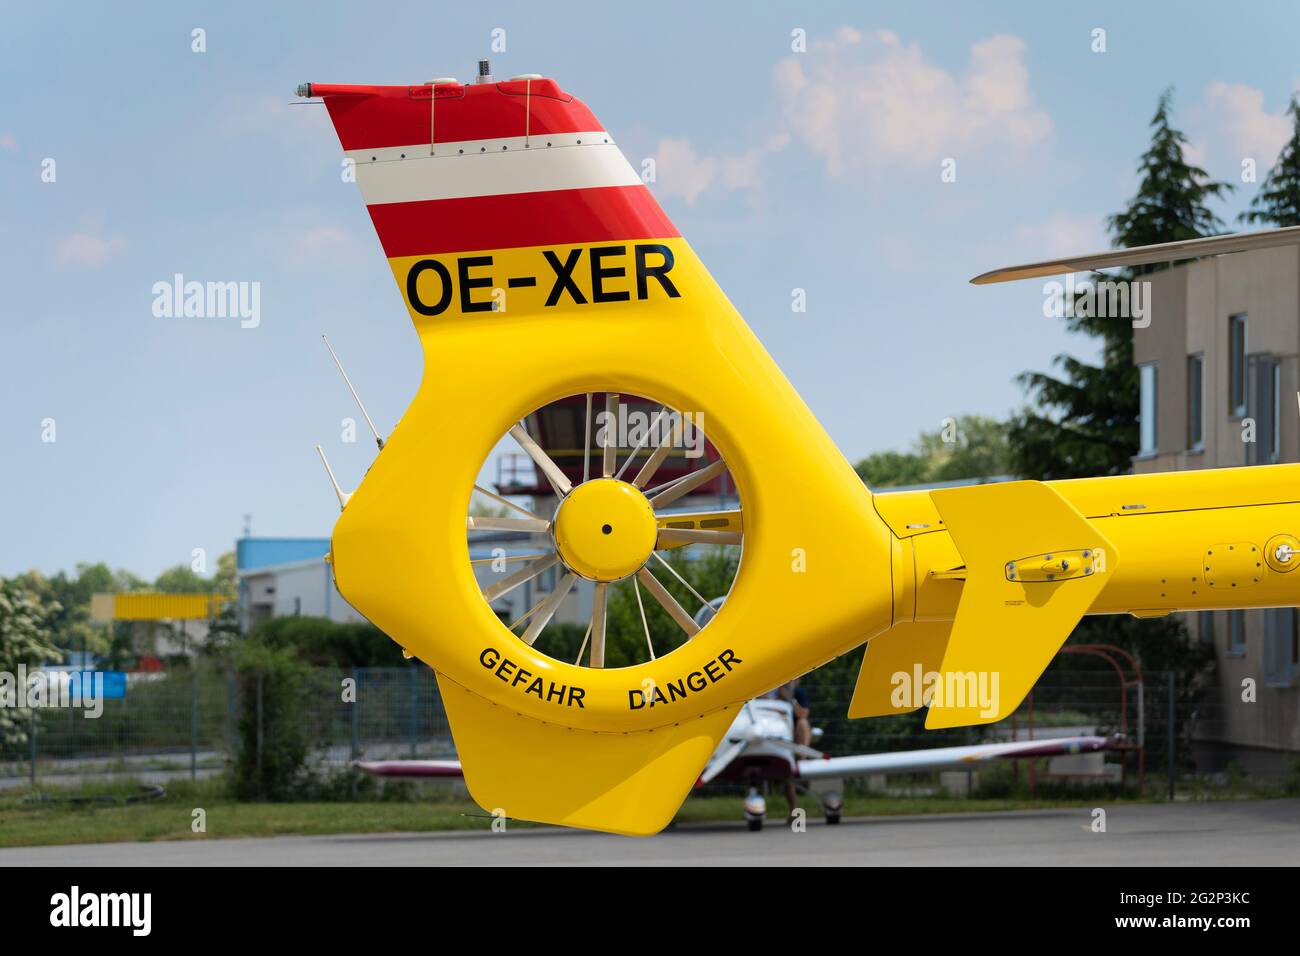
[(1277, 413), (1237, 365), (1196, 401), (1147, 409), (1206, 622), (1237, 632), (1281, 644), (1263, 408)]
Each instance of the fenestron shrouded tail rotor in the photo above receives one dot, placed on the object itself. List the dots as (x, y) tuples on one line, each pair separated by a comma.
[(610, 522)]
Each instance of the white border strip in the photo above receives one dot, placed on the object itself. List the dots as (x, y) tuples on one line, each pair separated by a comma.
[(492, 167), (478, 147)]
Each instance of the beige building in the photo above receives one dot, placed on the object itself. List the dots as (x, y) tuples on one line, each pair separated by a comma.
[(1219, 372)]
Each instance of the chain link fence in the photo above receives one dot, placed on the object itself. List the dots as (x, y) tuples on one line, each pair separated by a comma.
[(194, 723)]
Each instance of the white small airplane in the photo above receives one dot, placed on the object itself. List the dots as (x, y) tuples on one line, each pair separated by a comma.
[(760, 748)]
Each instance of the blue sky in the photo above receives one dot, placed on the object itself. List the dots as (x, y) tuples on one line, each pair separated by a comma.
[(818, 170)]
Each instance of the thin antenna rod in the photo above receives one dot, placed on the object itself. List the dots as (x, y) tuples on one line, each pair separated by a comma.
[(357, 398), (586, 441), (343, 495)]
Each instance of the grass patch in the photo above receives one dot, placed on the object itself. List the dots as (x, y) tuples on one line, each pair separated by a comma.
[(56, 820)]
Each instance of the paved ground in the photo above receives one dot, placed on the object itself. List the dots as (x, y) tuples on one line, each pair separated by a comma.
[(1262, 832)]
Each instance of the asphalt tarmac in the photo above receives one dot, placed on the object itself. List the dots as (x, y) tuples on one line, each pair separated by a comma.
[(1220, 833)]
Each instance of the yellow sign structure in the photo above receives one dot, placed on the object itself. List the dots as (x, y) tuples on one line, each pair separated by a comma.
[(155, 606)]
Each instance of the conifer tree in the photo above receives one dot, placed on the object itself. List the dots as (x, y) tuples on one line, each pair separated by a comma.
[(1278, 200), (1084, 423)]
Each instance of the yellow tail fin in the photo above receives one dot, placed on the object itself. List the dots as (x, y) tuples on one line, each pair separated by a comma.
[(903, 649), (630, 783)]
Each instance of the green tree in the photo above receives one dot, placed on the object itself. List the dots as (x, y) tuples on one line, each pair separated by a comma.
[(888, 469), (1278, 200), (971, 446), (1084, 423), (226, 580), (70, 626), (320, 642), (182, 579), (275, 697), (25, 638)]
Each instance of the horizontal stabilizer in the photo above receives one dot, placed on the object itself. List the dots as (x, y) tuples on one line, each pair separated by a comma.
[(1034, 565)]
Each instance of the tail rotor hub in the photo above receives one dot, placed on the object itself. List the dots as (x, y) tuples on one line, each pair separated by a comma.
[(605, 530)]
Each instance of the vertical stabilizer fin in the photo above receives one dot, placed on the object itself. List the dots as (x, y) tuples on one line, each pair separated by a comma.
[(1015, 612), (903, 649)]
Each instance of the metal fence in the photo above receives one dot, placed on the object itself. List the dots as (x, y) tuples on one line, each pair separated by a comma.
[(187, 723), (191, 724)]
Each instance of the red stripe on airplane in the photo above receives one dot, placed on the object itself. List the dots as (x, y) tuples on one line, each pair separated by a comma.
[(514, 220), (372, 117)]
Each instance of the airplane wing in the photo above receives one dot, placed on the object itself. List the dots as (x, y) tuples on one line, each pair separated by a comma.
[(720, 760), (947, 758), (410, 768)]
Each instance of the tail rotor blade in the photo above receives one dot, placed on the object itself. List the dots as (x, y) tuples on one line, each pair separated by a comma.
[(548, 609), (599, 608), (668, 602), (693, 481), (609, 457), (493, 523), (559, 481), (526, 573)]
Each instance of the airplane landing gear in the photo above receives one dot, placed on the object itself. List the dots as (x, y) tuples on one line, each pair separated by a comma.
[(755, 809), (832, 806)]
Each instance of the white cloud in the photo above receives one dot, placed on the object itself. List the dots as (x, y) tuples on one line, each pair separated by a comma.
[(85, 249), (1232, 124), (867, 100), (682, 172), (1061, 235)]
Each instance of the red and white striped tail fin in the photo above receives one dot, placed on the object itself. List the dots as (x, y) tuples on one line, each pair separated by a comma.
[(447, 169)]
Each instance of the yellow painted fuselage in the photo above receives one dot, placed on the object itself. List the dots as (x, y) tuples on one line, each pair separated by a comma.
[(1176, 553)]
